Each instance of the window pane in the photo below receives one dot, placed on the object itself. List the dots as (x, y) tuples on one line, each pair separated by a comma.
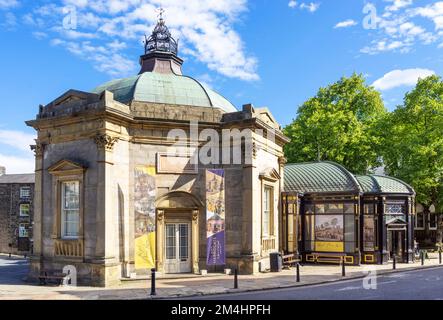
[(349, 208), (309, 209), (369, 208), (24, 210), (334, 208), (432, 220), (319, 208), (395, 209), (368, 233), (184, 242), (70, 208), (419, 220), (349, 228)]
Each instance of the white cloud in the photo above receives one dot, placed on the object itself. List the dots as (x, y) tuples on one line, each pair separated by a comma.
[(17, 165), (398, 4), (292, 4), (17, 157), (433, 12), (400, 27), (6, 4), (205, 29), (311, 7), (401, 78), (346, 24), (17, 139)]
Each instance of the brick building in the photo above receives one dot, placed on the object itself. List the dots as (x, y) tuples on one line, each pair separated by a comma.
[(16, 212)]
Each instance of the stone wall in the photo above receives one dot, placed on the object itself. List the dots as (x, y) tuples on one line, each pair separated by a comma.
[(10, 217)]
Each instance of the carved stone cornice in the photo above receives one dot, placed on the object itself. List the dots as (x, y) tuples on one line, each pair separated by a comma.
[(105, 141), (38, 149), (282, 161)]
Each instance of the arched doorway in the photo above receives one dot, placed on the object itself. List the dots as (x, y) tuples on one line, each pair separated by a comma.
[(177, 225)]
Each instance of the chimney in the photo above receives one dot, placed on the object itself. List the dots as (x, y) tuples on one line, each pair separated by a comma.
[(2, 171)]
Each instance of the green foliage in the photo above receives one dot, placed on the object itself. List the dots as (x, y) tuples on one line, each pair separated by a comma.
[(413, 135), (338, 124)]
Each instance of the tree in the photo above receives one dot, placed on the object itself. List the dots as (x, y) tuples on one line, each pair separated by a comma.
[(413, 148), (338, 125)]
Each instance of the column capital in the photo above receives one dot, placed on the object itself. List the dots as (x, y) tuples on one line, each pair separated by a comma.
[(105, 141)]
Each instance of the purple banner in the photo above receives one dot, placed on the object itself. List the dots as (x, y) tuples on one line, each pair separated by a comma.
[(215, 217)]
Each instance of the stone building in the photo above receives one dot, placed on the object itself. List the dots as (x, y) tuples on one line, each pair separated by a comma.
[(16, 212), (116, 196)]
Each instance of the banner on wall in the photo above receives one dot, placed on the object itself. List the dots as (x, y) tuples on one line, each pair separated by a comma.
[(144, 217), (215, 216)]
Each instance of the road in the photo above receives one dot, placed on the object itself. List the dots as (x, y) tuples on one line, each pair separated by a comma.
[(13, 271), (412, 285)]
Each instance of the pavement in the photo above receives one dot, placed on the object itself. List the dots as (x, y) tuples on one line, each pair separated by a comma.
[(421, 284), (13, 271)]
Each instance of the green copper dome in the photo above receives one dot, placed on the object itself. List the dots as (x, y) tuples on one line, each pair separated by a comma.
[(167, 88), (319, 177), (384, 184)]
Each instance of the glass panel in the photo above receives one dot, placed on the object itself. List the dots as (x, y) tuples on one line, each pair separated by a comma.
[(309, 228), (23, 230), (24, 210), (349, 208), (349, 246), (432, 220), (420, 220), (309, 209), (395, 209), (369, 208), (170, 241), (368, 233), (334, 208), (267, 211), (70, 208), (319, 208), (184, 238), (349, 228)]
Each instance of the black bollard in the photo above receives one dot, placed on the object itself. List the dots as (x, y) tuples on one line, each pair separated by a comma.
[(422, 258), (298, 272), (343, 267), (235, 279), (439, 255), (153, 293), (394, 262)]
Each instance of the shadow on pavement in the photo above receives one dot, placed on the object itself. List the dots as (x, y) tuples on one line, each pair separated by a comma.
[(13, 270)]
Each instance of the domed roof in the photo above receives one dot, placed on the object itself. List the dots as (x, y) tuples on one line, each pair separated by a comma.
[(384, 184), (165, 88), (319, 177)]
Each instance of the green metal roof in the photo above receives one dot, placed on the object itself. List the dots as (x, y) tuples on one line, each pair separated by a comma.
[(383, 184), (319, 177), (166, 89)]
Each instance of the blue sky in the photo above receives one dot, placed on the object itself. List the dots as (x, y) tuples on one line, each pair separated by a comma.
[(270, 53)]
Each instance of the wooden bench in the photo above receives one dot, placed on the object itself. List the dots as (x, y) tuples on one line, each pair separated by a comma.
[(57, 277), (290, 260)]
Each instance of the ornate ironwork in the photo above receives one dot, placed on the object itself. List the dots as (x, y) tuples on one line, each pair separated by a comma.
[(161, 39)]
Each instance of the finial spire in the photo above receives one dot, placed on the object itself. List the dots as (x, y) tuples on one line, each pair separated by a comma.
[(160, 13), (161, 39)]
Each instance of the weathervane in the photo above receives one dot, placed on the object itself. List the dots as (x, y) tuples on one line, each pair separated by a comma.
[(160, 13)]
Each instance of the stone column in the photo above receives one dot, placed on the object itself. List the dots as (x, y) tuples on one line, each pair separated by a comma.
[(106, 248), (37, 255), (195, 241), (160, 231)]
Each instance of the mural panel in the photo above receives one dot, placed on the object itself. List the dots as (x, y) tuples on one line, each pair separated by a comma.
[(215, 216), (144, 206)]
